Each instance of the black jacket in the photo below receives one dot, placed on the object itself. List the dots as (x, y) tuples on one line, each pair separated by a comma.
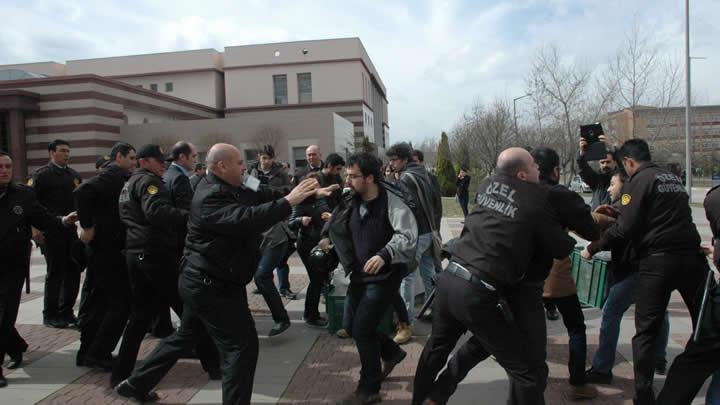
[(313, 208), (96, 203), (513, 234), (463, 186), (225, 229), (150, 218), (655, 214), (54, 186), (712, 212), (19, 209), (598, 182), (178, 185)]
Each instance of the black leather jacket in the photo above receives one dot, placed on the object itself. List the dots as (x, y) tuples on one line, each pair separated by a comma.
[(225, 229), (150, 218)]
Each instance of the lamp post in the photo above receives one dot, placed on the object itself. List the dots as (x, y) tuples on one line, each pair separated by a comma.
[(688, 150), (517, 134)]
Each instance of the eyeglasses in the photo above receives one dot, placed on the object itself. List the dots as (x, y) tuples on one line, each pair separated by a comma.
[(353, 176)]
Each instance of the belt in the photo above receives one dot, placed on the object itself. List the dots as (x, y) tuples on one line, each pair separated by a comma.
[(465, 274)]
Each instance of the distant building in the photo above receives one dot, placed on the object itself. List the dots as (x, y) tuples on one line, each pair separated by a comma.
[(664, 129), (293, 94)]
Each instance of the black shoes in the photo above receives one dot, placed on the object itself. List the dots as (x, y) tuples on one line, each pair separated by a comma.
[(279, 328), (661, 368), (55, 322), (596, 377), (15, 360), (318, 322), (360, 398), (3, 381), (103, 364), (128, 391), (289, 294), (389, 365)]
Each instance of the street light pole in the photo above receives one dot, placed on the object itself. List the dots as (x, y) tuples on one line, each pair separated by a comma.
[(517, 134), (688, 150)]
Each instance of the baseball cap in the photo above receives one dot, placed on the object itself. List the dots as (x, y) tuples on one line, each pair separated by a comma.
[(152, 151)]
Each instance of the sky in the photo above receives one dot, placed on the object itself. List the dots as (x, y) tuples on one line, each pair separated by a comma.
[(436, 57)]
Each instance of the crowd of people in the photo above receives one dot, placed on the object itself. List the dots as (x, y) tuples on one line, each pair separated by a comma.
[(158, 232)]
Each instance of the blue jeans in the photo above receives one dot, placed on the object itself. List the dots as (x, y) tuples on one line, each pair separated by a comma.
[(367, 304), (426, 267), (270, 258), (713, 393), (620, 297)]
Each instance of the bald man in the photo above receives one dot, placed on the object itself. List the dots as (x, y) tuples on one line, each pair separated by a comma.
[(221, 254), (314, 163), (485, 288)]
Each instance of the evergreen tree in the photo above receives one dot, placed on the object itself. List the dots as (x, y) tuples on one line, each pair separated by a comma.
[(444, 168)]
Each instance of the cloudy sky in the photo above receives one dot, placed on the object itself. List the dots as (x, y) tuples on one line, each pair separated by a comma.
[(436, 57)]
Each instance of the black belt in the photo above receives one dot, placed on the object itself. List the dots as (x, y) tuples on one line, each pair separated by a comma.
[(465, 274)]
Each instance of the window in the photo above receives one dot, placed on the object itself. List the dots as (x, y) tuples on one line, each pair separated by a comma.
[(304, 88), (251, 154), (280, 89), (169, 87), (153, 86), (299, 158)]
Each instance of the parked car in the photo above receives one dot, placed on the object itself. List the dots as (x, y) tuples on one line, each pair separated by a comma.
[(579, 186)]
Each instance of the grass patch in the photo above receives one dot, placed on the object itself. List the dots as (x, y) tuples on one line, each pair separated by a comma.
[(452, 209)]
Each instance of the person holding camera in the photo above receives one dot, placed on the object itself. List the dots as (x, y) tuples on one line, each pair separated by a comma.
[(598, 181), (376, 265), (463, 190)]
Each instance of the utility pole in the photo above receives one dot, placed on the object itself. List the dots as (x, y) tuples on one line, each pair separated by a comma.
[(517, 134), (688, 145)]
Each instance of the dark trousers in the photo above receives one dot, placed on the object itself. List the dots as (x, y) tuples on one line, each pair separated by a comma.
[(461, 306), (463, 201), (106, 304), (191, 334), (11, 284), (153, 285), (400, 309), (574, 321), (283, 270), (62, 281), (223, 310), (312, 296), (658, 276), (269, 260), (367, 304)]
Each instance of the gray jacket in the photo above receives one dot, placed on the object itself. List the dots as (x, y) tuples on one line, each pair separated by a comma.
[(402, 244)]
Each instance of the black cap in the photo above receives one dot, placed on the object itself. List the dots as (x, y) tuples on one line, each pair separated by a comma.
[(152, 151)]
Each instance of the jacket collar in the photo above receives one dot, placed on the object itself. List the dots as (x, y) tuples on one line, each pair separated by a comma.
[(643, 166)]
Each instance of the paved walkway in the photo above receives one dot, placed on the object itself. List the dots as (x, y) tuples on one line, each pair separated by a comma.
[(303, 365)]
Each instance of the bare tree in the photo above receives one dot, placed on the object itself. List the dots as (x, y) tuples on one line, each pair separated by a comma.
[(429, 147), (560, 89), (267, 135)]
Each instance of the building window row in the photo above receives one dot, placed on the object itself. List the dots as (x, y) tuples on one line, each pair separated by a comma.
[(169, 87), (280, 88)]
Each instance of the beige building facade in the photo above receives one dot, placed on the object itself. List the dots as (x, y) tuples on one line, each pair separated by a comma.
[(290, 95)]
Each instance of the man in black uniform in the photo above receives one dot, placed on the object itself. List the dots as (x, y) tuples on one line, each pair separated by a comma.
[(655, 217), (183, 156), (151, 223), (19, 209), (220, 258), (54, 184), (491, 286), (107, 299)]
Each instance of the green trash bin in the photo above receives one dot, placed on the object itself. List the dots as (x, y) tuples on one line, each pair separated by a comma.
[(335, 305), (592, 279)]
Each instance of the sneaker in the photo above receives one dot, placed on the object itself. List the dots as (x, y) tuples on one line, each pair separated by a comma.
[(289, 294), (16, 360), (70, 319), (360, 398), (256, 291), (552, 314), (585, 391), (597, 377), (661, 367), (279, 328), (342, 334), (318, 322), (126, 390), (404, 333), (389, 365)]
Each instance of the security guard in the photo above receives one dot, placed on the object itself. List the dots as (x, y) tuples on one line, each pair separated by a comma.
[(655, 217), (19, 209), (151, 223), (220, 258), (106, 303), (493, 285), (54, 184)]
